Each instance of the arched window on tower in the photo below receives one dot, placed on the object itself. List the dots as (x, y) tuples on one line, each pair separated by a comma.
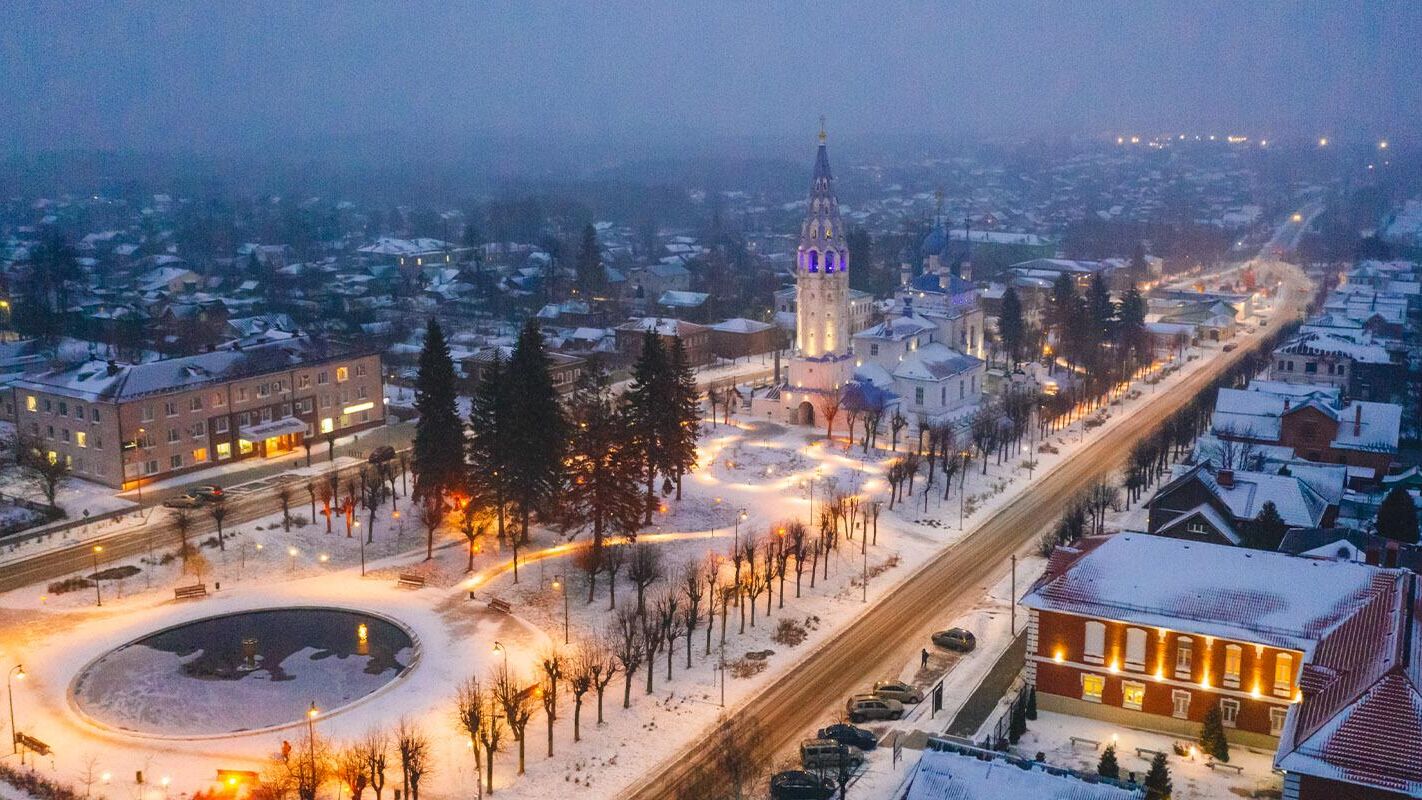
[(829, 261), (843, 261), (814, 261)]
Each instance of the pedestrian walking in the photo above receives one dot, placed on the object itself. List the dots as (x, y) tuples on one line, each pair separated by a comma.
[(923, 659)]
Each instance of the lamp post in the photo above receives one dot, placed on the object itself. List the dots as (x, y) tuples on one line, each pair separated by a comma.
[(558, 586), (98, 595), (139, 444), (291, 552), (499, 647), (17, 672), (311, 733), (736, 542)]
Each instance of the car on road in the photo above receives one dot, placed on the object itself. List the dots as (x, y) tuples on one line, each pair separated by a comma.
[(183, 501), (1230, 348), (863, 707), (799, 785), (844, 733), (898, 690), (821, 754), (382, 454), (957, 639), (208, 491)]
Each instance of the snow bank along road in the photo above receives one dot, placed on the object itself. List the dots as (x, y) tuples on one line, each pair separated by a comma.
[(889, 633)]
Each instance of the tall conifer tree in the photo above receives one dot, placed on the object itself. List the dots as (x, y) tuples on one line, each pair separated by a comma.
[(537, 429), (439, 435), (684, 417), (490, 441), (647, 412)]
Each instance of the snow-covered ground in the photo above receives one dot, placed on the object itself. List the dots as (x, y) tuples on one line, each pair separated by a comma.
[(768, 470)]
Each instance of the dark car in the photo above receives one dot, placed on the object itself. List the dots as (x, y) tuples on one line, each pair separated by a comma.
[(799, 785), (382, 454), (955, 639), (208, 491), (851, 735)]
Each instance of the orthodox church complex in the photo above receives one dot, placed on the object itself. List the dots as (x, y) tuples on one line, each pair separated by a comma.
[(923, 359)]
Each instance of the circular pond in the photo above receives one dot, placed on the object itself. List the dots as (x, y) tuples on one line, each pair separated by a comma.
[(244, 671)]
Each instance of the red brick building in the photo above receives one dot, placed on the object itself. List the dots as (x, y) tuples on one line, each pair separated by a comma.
[(1359, 435), (1151, 632)]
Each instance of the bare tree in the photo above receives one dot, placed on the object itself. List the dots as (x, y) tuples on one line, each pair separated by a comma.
[(553, 664), (652, 639), (348, 766), (646, 567), (490, 736), (218, 511), (627, 646), (614, 557), (415, 756), (795, 535), (670, 620), (693, 590), (517, 702), (283, 496), (311, 492), (326, 493), (431, 517), (183, 522), (469, 705), (45, 470), (580, 682), (473, 526), (897, 422), (738, 760), (602, 666), (711, 573), (374, 749), (831, 410), (307, 766)]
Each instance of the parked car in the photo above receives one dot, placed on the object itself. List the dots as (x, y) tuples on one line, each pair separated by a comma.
[(898, 690), (183, 501), (799, 785), (863, 707), (956, 639), (822, 754), (844, 733), (382, 454), (208, 491)]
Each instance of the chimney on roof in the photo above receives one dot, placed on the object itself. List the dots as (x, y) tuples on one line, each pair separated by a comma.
[(1225, 477), (1372, 555), (113, 367), (1392, 555), (1286, 405), (1357, 419)]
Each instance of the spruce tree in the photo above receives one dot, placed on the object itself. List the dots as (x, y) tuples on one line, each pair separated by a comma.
[(590, 275), (1397, 516), (1107, 766), (1131, 333), (1212, 735), (1011, 328), (490, 441), (647, 401), (438, 461), (1017, 723), (1157, 781), (1032, 702), (604, 476), (684, 420), (538, 432), (1267, 530)]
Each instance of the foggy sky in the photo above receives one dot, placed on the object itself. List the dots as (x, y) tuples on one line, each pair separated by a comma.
[(245, 76)]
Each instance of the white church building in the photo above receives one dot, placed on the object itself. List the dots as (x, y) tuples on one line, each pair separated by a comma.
[(925, 359)]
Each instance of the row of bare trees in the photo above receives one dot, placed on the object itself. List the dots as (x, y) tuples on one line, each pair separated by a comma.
[(300, 769)]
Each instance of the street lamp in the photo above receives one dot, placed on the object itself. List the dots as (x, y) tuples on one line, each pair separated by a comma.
[(98, 596), (558, 586), (499, 647), (292, 551), (736, 542), (17, 672), (311, 732), (139, 442)]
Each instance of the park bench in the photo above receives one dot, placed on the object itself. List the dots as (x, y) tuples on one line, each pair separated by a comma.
[(501, 606), (1076, 740), (1146, 752), (190, 592), (32, 744), (410, 580), (1213, 764)]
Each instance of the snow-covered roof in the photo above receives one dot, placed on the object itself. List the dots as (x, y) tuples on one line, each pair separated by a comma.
[(662, 326), (741, 325), (942, 775), (934, 362), (390, 246), (681, 299), (1211, 589), (1297, 502), (897, 329), (1325, 344)]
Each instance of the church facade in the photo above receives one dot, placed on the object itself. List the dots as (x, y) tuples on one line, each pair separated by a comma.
[(924, 359)]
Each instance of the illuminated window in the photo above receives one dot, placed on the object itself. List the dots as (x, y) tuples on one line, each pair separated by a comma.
[(30, 403), (342, 374), (1091, 687), (1180, 704), (1229, 709), (1135, 649), (327, 425), (1283, 674), (1132, 695), (224, 450), (1184, 653), (81, 438), (200, 455), (1094, 651), (243, 446), (1233, 655)]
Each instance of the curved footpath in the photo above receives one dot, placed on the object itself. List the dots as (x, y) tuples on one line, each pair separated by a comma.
[(891, 631)]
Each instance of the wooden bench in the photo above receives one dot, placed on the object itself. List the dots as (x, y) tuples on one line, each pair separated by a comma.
[(1146, 752), (32, 744), (411, 581), (1213, 764), (501, 606), (190, 592), (1076, 740)]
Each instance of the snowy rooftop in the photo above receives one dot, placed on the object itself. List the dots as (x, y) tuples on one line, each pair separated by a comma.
[(389, 246), (934, 361), (1214, 590), (955, 776)]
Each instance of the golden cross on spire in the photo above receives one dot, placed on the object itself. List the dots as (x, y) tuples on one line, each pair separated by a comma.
[(822, 129)]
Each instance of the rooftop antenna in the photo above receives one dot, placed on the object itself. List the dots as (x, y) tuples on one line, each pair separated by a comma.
[(823, 135)]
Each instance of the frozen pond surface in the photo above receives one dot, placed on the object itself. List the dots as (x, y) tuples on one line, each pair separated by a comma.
[(243, 671)]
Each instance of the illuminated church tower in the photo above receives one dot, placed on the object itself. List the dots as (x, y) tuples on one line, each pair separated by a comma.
[(823, 360)]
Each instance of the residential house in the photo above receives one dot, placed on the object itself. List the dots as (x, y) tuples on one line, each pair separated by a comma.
[(1208, 505)]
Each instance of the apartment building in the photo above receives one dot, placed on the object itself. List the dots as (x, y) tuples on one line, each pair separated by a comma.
[(126, 424)]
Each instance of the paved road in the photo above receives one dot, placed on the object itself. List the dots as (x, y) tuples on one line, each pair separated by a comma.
[(891, 631)]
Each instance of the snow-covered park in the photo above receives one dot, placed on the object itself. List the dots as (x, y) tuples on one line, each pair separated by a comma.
[(772, 473)]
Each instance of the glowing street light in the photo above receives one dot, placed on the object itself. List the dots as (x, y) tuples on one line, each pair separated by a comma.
[(98, 596), (499, 648), (17, 672)]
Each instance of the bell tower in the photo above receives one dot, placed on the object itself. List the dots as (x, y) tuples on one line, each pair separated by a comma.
[(822, 269)]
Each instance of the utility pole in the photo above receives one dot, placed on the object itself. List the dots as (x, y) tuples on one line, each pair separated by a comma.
[(1012, 599)]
